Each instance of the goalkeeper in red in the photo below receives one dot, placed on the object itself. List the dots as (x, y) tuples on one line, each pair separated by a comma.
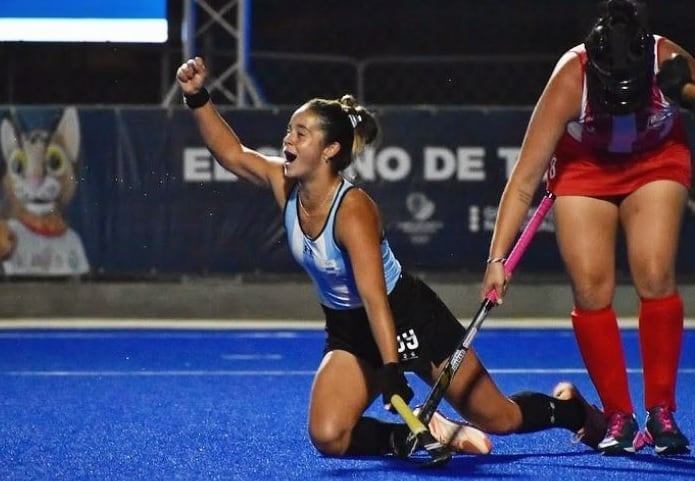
[(608, 134)]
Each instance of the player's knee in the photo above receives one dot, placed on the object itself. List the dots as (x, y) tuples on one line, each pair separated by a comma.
[(593, 296), (329, 440), (655, 285)]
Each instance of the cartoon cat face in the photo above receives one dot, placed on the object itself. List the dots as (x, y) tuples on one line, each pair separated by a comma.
[(40, 165)]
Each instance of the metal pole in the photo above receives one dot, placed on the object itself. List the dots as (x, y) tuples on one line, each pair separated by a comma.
[(188, 35), (243, 16), (188, 30)]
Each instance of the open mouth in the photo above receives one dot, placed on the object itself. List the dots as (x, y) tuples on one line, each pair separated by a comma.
[(290, 156)]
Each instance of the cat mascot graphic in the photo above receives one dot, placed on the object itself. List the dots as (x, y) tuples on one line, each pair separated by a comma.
[(38, 183)]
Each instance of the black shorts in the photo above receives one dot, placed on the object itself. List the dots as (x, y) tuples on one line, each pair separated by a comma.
[(427, 330)]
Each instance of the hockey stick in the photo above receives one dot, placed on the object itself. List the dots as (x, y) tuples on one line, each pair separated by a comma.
[(440, 454), (437, 393)]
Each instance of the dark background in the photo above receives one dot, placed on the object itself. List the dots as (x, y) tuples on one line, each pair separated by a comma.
[(40, 73)]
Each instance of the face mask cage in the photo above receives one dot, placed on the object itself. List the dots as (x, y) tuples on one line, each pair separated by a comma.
[(620, 67)]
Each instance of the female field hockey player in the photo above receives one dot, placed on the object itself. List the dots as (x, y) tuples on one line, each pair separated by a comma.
[(609, 122), (380, 320)]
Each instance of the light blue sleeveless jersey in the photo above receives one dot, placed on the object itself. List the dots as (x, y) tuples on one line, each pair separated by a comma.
[(328, 264)]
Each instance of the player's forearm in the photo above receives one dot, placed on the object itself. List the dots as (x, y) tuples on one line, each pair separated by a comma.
[(511, 214), (383, 330), (216, 133)]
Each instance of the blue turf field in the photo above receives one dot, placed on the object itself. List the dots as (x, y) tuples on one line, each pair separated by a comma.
[(231, 405)]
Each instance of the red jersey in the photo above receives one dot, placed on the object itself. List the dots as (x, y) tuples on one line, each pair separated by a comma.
[(618, 154)]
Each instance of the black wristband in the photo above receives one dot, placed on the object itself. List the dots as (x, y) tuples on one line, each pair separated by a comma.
[(197, 100)]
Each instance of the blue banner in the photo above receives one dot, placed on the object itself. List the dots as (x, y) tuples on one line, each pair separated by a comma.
[(133, 192)]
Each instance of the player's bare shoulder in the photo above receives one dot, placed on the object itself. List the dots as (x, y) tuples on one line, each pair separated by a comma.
[(561, 98), (357, 198), (357, 218), (667, 48), (357, 205), (568, 70)]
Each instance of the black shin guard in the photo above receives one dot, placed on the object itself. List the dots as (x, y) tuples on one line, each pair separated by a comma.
[(539, 412), (371, 437)]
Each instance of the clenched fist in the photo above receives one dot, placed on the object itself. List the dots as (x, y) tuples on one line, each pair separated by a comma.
[(191, 75)]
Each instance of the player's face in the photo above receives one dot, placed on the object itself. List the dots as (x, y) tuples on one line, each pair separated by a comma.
[(303, 143)]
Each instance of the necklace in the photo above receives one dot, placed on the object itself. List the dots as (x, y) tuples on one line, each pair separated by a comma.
[(329, 195)]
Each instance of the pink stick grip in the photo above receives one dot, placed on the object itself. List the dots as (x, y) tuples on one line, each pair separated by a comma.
[(525, 239)]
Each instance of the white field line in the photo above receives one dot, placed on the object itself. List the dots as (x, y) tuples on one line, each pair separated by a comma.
[(295, 324)]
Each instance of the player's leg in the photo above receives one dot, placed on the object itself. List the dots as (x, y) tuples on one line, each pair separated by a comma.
[(472, 392), (652, 258), (586, 232), (476, 397), (343, 388)]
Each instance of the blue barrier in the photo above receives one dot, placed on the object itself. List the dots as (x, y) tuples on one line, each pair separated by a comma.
[(150, 198)]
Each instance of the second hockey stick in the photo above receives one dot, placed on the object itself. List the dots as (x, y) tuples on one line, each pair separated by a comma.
[(437, 393)]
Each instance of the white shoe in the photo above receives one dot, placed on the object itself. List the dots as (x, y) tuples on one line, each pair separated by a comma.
[(460, 437)]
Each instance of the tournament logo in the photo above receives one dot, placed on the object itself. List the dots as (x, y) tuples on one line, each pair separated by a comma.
[(420, 228)]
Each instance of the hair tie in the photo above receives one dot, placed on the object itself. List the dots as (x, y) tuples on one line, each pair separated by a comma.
[(354, 119)]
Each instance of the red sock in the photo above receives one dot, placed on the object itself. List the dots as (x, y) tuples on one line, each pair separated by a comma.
[(661, 337), (598, 338)]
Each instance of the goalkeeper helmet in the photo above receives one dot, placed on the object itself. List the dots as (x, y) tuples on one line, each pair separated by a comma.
[(620, 67)]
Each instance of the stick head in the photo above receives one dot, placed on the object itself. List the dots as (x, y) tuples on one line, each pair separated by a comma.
[(439, 454)]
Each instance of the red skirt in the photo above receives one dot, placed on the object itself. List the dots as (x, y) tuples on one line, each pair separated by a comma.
[(578, 170)]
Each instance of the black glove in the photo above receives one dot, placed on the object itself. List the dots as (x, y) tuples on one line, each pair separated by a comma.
[(672, 77), (392, 381)]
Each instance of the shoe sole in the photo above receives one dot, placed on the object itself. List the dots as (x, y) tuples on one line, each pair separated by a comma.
[(617, 450), (664, 450), (671, 450)]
